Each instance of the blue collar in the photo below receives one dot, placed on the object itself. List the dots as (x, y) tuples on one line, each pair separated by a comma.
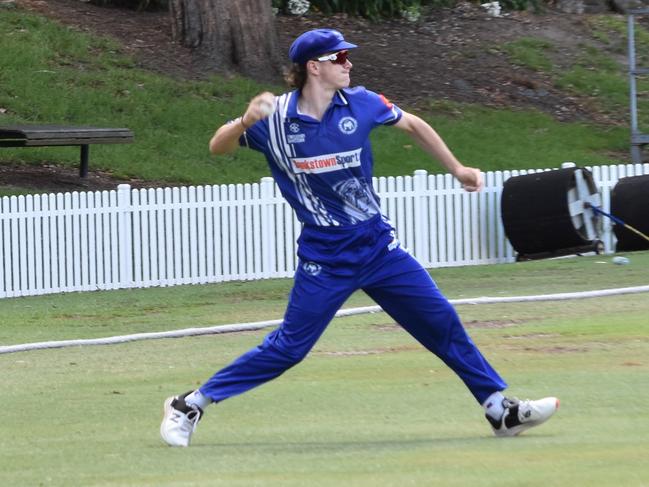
[(339, 99)]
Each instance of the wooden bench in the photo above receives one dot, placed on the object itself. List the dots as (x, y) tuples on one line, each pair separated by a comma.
[(62, 135)]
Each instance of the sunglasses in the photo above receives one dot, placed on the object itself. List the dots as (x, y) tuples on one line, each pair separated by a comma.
[(339, 57)]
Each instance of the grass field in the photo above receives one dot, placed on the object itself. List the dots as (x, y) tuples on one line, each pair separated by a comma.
[(368, 407)]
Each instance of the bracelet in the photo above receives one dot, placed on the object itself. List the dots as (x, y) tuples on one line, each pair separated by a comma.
[(243, 124)]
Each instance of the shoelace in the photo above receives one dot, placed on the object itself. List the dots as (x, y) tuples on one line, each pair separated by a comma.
[(510, 402), (187, 422), (524, 407), (192, 419)]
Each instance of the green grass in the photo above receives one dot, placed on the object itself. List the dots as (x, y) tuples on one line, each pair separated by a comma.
[(368, 407), (10, 190), (530, 52), (516, 136), (174, 119), (612, 30), (597, 73), (106, 313)]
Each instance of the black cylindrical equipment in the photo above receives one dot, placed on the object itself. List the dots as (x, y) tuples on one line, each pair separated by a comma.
[(544, 214), (630, 203)]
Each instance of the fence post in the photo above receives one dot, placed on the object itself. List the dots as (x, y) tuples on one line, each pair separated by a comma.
[(125, 237), (420, 223), (267, 236)]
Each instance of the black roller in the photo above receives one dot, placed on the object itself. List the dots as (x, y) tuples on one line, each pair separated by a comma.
[(630, 203), (541, 213)]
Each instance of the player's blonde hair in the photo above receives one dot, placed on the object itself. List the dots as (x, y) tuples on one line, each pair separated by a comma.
[(296, 75)]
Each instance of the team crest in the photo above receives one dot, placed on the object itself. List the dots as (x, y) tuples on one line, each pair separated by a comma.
[(311, 268), (294, 127), (347, 125)]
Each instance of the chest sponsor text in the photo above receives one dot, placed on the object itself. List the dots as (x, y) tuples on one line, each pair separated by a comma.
[(327, 162)]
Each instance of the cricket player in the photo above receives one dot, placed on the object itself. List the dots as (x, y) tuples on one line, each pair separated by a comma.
[(316, 142)]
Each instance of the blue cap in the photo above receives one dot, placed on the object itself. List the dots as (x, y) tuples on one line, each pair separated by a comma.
[(315, 42)]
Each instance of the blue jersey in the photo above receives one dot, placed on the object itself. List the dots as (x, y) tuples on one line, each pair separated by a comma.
[(324, 168)]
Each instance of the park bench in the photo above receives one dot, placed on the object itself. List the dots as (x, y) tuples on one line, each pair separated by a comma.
[(62, 135)]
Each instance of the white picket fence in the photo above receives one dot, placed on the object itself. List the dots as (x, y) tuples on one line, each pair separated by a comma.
[(134, 238)]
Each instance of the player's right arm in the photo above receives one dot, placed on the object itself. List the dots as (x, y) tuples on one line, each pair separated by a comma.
[(226, 138)]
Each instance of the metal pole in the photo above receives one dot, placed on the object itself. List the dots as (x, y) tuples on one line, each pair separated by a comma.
[(83, 167), (632, 68), (636, 157)]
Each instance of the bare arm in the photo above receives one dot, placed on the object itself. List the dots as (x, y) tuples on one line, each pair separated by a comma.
[(432, 143), (226, 138)]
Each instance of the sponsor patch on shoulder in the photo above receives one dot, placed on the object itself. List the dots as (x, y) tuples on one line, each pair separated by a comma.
[(387, 102)]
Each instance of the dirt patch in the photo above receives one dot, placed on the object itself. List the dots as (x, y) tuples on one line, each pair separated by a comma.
[(492, 323), (376, 351), (451, 53), (554, 350), (387, 327), (146, 36), (550, 349), (53, 178), (391, 327), (532, 335)]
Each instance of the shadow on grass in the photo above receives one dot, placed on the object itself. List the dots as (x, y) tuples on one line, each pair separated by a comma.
[(369, 445)]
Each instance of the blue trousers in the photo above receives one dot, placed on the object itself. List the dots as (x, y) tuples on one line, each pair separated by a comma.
[(335, 262)]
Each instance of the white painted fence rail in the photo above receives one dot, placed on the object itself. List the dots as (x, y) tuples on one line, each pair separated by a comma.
[(129, 238)]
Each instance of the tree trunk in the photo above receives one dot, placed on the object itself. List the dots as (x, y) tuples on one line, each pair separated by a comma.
[(228, 35)]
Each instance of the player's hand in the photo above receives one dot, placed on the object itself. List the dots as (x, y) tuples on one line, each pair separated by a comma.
[(470, 177), (261, 106)]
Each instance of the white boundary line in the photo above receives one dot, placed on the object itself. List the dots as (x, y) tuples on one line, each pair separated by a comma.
[(211, 330)]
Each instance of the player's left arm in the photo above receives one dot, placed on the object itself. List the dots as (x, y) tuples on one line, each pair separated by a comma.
[(429, 140)]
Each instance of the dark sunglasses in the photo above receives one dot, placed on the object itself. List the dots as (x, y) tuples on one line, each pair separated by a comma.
[(339, 57)]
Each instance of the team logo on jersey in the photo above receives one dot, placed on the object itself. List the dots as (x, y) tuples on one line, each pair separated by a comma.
[(295, 138), (359, 202), (327, 162), (395, 241), (311, 268), (348, 125)]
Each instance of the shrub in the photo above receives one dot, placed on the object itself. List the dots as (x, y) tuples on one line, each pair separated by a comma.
[(364, 8)]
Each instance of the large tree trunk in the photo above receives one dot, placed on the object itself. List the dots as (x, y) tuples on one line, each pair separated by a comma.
[(229, 35)]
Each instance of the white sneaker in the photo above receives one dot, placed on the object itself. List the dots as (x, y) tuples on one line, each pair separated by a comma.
[(179, 421), (522, 415)]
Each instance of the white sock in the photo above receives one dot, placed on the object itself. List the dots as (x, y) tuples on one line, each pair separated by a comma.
[(493, 406), (198, 399)]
